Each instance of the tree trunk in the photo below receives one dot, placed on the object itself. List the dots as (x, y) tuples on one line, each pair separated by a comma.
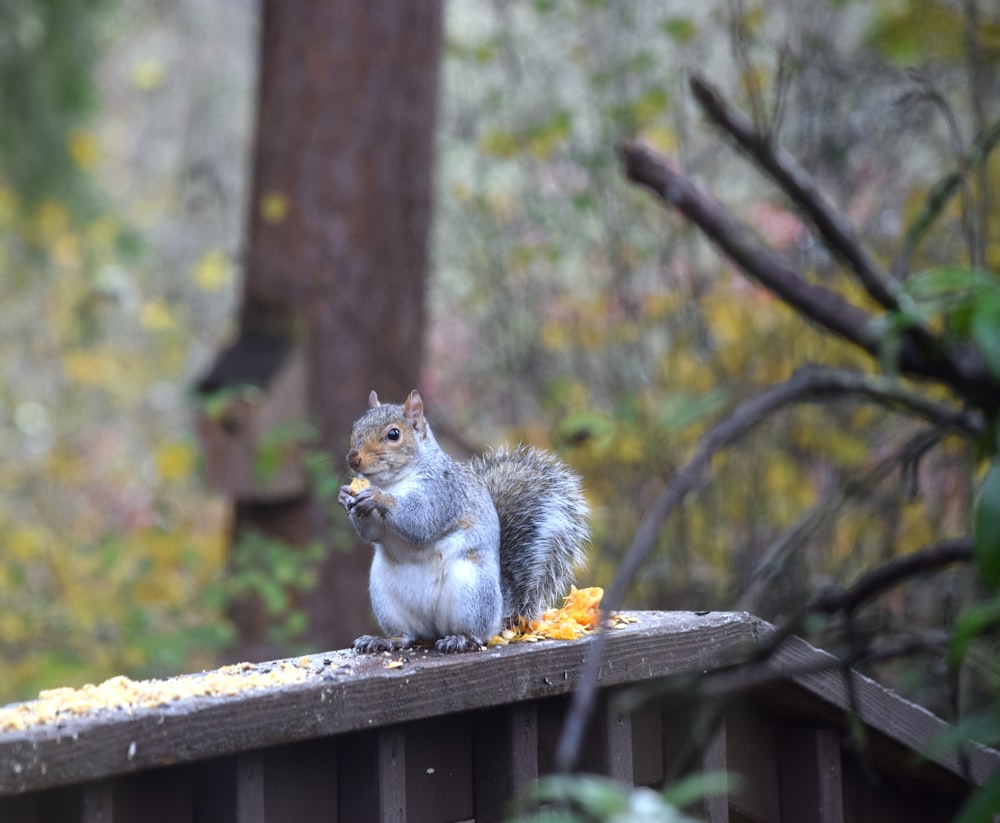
[(338, 246)]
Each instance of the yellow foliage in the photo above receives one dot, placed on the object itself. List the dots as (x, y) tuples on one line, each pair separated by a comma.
[(65, 250), (24, 542), (102, 232), (274, 207), (83, 149), (51, 219), (156, 315), (499, 143), (213, 271), (8, 204), (148, 74), (97, 367), (174, 460)]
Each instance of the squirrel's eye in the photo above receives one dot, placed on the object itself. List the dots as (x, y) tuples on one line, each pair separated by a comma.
[(392, 434)]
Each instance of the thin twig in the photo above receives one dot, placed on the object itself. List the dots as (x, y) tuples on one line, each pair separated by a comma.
[(920, 353), (807, 384), (648, 168), (870, 585), (941, 194), (815, 520), (785, 170), (931, 94), (719, 687)]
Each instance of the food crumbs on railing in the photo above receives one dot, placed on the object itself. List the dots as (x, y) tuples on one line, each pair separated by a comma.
[(394, 664), (578, 617), (124, 694)]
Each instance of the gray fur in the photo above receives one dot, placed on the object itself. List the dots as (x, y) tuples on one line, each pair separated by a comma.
[(459, 547), (544, 525)]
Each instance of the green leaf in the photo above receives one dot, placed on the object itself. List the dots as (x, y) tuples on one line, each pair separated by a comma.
[(594, 795), (589, 797), (987, 525), (699, 786), (984, 329), (681, 29), (681, 411), (974, 620), (983, 805), (983, 727), (586, 428)]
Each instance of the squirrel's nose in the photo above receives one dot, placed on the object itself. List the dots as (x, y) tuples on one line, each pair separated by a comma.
[(354, 459)]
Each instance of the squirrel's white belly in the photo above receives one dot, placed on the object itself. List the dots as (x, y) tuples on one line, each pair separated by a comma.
[(435, 591)]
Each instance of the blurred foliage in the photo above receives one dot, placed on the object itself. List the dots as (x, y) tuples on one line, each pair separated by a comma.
[(271, 572), (573, 310), (567, 309), (48, 49), (586, 797), (112, 556)]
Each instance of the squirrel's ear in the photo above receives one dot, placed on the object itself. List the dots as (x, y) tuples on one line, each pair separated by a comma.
[(373, 400), (413, 408)]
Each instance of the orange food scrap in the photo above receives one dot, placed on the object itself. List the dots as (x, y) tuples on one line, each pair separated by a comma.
[(123, 694), (359, 483), (579, 616)]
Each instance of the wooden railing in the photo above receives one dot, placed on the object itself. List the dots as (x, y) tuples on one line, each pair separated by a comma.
[(419, 736)]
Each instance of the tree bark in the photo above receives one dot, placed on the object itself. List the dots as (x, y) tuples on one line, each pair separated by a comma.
[(338, 248)]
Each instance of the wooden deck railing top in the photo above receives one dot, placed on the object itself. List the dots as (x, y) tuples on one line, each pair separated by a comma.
[(339, 692)]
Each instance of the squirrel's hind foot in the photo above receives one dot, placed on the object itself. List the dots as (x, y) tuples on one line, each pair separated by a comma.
[(370, 644), (456, 643)]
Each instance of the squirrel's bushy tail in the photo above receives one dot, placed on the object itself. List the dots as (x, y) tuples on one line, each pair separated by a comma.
[(544, 524)]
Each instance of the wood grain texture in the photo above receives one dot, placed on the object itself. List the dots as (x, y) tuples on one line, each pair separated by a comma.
[(900, 721), (349, 692), (356, 697)]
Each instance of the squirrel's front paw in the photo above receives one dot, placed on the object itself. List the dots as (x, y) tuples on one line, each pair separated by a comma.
[(370, 644), (456, 643), (346, 497), (367, 501)]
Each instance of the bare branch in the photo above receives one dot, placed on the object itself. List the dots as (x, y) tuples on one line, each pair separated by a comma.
[(808, 384), (889, 575), (920, 353), (647, 168), (817, 519), (832, 226), (894, 572), (930, 93), (942, 193)]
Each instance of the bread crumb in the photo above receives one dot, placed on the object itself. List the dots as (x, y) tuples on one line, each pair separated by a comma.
[(124, 694)]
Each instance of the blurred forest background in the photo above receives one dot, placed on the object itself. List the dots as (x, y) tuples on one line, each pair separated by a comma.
[(565, 307)]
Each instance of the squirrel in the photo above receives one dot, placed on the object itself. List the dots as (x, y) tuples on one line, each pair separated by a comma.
[(461, 549)]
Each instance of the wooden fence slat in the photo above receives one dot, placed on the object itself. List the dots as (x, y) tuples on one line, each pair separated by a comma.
[(250, 787), (19, 809), (98, 803), (392, 774), (505, 757), (715, 759), (439, 769), (751, 752), (214, 790), (300, 782), (877, 797), (905, 723), (160, 796), (357, 776), (647, 745), (608, 745), (809, 774)]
